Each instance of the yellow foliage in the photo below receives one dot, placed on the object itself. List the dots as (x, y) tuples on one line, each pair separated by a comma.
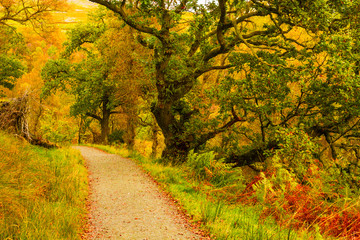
[(42, 193)]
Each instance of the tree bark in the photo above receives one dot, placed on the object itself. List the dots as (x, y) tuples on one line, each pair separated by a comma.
[(105, 120), (130, 131), (176, 145), (155, 141)]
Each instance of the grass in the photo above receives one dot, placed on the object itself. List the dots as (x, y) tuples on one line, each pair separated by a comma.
[(208, 204), (42, 192)]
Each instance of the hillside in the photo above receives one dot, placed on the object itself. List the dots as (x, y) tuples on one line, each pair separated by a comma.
[(76, 13)]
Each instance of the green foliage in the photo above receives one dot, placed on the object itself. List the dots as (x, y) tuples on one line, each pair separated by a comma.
[(206, 167), (296, 151), (57, 130), (10, 70), (83, 33), (60, 69), (42, 192), (11, 41), (117, 136), (313, 89)]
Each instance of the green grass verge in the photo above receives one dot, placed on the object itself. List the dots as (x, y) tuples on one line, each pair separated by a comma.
[(217, 217), (42, 192)]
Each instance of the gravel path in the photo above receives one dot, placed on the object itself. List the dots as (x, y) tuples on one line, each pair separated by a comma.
[(124, 202)]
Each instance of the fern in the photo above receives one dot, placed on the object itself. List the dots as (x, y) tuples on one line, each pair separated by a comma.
[(205, 167)]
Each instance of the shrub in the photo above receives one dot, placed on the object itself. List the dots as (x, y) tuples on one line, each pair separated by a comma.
[(303, 205), (117, 136), (204, 167)]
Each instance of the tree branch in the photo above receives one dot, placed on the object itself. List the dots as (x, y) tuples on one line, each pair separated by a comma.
[(115, 112), (202, 71), (93, 116), (219, 30), (181, 7), (205, 137), (225, 26), (134, 24)]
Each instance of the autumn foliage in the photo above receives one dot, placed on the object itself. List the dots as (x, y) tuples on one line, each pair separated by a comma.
[(229, 89), (304, 205)]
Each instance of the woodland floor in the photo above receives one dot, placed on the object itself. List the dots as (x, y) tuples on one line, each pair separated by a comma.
[(125, 203)]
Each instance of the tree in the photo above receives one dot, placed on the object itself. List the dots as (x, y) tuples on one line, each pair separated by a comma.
[(187, 45), (315, 92), (12, 48), (10, 70), (11, 42), (89, 82), (96, 81)]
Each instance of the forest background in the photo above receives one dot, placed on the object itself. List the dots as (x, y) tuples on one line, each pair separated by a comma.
[(261, 98)]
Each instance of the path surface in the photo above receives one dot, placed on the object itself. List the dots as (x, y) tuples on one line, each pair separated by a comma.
[(126, 204)]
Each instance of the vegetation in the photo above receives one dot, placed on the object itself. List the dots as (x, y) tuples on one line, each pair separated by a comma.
[(277, 55), (251, 106), (97, 81), (42, 192), (218, 200), (12, 45)]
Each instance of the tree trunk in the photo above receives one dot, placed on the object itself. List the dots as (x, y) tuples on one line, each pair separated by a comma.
[(105, 128), (177, 144), (130, 132), (105, 120), (80, 129), (155, 141), (172, 118), (37, 117)]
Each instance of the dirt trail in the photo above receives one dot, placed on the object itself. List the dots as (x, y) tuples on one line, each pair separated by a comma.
[(126, 204)]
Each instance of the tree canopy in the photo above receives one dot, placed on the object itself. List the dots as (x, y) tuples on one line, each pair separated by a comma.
[(101, 79), (12, 14), (263, 46)]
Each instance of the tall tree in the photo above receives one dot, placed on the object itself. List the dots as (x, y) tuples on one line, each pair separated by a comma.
[(96, 81), (189, 39), (314, 91)]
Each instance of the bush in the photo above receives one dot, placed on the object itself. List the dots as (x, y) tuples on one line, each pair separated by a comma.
[(204, 167), (117, 136), (304, 205)]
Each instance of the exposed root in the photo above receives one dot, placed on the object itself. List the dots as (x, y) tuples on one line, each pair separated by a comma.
[(13, 119)]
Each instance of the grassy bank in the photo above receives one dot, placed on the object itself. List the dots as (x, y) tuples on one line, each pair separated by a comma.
[(208, 191), (42, 192)]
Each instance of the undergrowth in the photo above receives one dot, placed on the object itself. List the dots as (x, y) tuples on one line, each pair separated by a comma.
[(42, 192), (304, 205)]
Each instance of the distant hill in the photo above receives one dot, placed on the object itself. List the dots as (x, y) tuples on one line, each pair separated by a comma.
[(84, 3), (77, 12)]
